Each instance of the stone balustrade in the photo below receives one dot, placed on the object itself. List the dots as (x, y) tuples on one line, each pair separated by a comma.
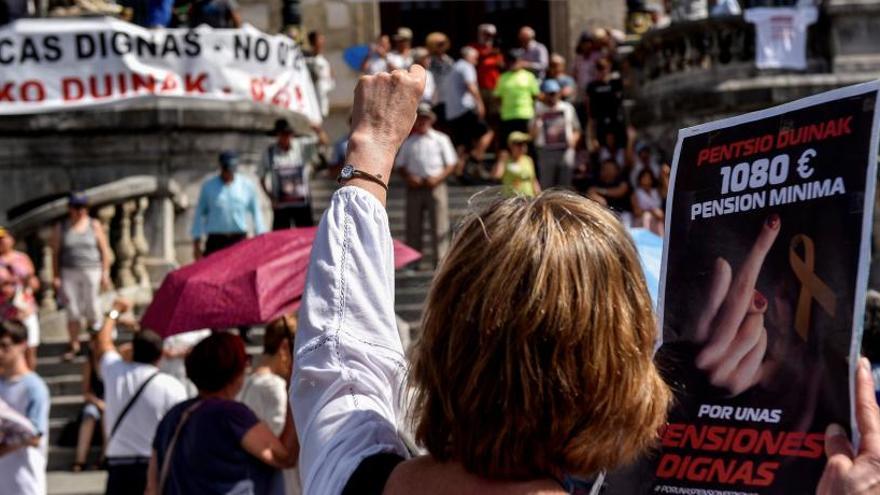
[(697, 54), (699, 71), (125, 208)]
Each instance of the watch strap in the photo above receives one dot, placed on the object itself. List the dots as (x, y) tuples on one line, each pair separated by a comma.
[(360, 174)]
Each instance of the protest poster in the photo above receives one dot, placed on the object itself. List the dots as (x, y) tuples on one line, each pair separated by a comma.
[(66, 63), (762, 295)]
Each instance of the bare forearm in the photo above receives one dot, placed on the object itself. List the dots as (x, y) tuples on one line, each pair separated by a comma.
[(104, 339)]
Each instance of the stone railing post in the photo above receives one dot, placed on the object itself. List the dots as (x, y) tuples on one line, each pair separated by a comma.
[(105, 216), (141, 246), (47, 271), (125, 249)]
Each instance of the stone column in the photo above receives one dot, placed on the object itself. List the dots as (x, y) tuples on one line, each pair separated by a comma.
[(125, 248), (105, 216), (47, 271), (141, 246)]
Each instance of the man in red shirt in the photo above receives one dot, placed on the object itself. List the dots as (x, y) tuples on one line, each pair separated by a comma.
[(489, 66)]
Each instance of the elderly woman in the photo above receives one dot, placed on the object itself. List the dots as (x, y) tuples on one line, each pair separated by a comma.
[(213, 444), (534, 372)]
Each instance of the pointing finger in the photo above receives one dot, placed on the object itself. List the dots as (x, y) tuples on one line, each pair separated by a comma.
[(739, 297)]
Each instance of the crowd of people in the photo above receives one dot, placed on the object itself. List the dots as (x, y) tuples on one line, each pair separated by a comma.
[(486, 339), (522, 117), (239, 433)]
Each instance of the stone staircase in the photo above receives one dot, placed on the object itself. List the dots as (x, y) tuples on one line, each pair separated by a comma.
[(64, 378)]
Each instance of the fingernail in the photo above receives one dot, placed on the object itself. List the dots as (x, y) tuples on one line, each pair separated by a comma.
[(773, 221), (865, 364), (835, 430), (760, 301)]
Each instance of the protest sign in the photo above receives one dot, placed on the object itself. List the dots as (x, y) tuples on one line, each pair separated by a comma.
[(762, 295), (59, 64)]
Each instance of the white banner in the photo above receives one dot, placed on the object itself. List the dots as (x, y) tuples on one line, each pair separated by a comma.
[(59, 64)]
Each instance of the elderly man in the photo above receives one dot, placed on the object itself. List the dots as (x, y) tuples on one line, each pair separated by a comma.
[(401, 56), (534, 53), (137, 396), (225, 202), (425, 159), (465, 109), (289, 171)]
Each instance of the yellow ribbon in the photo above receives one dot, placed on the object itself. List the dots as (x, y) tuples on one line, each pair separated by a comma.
[(812, 287)]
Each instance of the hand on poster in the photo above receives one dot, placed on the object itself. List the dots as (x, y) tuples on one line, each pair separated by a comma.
[(848, 473), (731, 325)]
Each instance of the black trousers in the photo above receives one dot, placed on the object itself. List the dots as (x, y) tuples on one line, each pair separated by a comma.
[(128, 478), (292, 216), (216, 242)]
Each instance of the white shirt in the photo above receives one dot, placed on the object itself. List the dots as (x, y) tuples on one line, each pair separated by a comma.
[(122, 379), (781, 36), (399, 60), (324, 82), (555, 125), (426, 155), (266, 395), (376, 65), (349, 372), (648, 200), (430, 89), (289, 171), (458, 99), (23, 471)]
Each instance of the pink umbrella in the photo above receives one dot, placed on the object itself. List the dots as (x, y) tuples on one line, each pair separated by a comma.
[(252, 282)]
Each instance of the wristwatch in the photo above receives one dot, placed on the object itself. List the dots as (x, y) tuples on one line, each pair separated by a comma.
[(349, 172)]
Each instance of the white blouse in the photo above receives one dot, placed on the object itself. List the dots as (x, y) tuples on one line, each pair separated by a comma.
[(349, 373)]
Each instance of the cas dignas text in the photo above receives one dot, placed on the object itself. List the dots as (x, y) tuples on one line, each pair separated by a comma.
[(695, 441)]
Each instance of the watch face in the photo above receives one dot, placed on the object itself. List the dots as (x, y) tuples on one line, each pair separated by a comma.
[(347, 171)]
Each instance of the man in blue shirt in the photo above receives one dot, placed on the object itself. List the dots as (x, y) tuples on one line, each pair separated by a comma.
[(224, 204), (23, 466)]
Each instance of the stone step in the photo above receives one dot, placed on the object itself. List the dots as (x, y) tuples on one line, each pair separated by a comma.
[(84, 483), (61, 385), (409, 312), (409, 279), (61, 458), (410, 295), (65, 407), (52, 366)]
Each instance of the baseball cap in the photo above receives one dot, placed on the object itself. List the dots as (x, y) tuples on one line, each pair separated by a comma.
[(229, 159), (516, 137), (403, 33), (425, 110), (78, 199), (550, 86)]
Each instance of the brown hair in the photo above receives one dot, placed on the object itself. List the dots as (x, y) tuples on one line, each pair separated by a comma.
[(536, 353), (283, 327)]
